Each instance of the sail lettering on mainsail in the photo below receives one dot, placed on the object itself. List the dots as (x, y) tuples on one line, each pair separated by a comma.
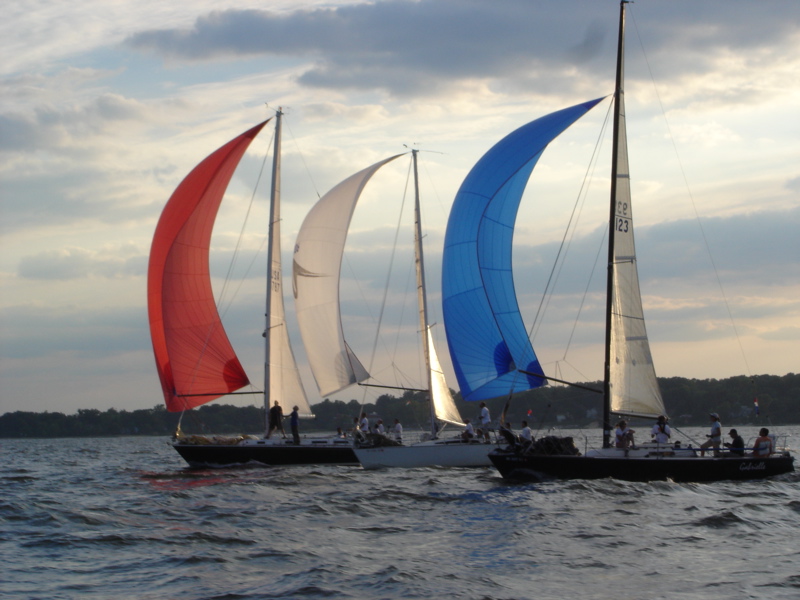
[(632, 385), (194, 357), (487, 337)]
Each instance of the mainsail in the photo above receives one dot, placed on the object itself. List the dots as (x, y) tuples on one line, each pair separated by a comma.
[(444, 407), (194, 358), (487, 337), (282, 381), (632, 384)]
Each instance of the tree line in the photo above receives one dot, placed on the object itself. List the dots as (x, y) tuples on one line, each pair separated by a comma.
[(688, 402)]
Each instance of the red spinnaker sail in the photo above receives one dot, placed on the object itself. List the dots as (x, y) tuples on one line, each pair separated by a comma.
[(196, 362)]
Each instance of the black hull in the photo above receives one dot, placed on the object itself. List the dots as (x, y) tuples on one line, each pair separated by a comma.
[(214, 456), (685, 469)]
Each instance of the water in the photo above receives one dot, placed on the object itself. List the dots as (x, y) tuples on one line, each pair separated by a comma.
[(123, 518)]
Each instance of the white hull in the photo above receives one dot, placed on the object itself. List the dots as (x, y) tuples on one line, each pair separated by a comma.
[(434, 453)]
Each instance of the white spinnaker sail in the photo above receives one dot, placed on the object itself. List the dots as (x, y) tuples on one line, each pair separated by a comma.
[(443, 404), (316, 269), (633, 385), (283, 376)]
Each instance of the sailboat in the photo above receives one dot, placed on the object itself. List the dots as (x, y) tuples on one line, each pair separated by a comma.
[(489, 346), (316, 269), (195, 360)]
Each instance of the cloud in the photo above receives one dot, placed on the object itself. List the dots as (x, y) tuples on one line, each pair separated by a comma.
[(425, 46), (78, 263)]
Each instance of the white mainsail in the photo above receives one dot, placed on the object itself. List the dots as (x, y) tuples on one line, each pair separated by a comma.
[(316, 268), (632, 377), (444, 406), (282, 377)]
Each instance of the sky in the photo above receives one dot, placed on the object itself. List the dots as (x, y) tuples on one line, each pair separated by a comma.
[(106, 106)]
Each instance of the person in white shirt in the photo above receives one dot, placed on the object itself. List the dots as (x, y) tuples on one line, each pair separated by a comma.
[(398, 431), (379, 428), (661, 431), (624, 435), (526, 435), (486, 421), (469, 431), (715, 437)]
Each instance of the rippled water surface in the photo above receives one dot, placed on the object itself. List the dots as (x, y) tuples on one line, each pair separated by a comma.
[(124, 518)]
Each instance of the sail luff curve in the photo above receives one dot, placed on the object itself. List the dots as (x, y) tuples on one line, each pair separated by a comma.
[(195, 360), (633, 387), (444, 407), (282, 381), (485, 332), (315, 279)]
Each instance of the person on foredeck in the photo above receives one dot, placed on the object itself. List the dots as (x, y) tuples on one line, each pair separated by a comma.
[(624, 435), (398, 431), (736, 445), (295, 423), (661, 431), (486, 421), (763, 446), (715, 437), (276, 420)]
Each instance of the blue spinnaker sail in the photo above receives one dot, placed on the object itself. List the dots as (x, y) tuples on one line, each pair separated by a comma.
[(487, 337)]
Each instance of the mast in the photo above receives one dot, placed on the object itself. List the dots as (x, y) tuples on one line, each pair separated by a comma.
[(619, 109), (421, 294), (273, 239)]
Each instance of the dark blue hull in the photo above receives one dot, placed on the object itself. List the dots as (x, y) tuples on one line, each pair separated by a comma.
[(523, 467)]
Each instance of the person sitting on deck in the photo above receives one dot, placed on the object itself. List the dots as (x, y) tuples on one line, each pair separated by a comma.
[(661, 431), (763, 446), (624, 435), (508, 435), (469, 431), (736, 446)]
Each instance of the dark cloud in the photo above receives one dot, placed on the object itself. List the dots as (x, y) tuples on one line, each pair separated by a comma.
[(415, 47)]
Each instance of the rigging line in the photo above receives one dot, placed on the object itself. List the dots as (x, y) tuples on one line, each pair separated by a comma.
[(586, 292), (569, 233), (399, 327), (237, 249), (367, 307), (302, 158), (386, 286), (231, 266), (694, 205)]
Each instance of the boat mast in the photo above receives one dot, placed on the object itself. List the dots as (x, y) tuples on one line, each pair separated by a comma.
[(619, 108), (421, 294), (273, 275)]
